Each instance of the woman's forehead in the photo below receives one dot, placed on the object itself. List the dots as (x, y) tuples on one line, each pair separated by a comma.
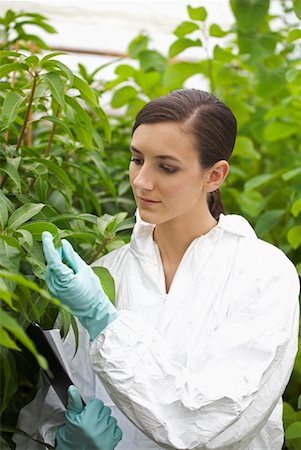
[(164, 138)]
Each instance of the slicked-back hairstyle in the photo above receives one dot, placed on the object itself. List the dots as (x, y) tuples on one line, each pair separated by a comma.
[(209, 121)]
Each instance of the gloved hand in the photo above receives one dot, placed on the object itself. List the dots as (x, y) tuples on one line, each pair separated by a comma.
[(80, 288), (87, 428)]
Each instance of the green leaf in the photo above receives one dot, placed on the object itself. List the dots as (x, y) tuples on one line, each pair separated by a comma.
[(50, 56), (177, 73), (198, 13), (32, 61), (299, 402), (294, 236), (10, 378), (279, 130), (52, 65), (249, 14), (57, 170), (293, 35), (10, 240), (291, 75), (244, 147), (36, 229), (296, 207), (6, 294), (66, 321), (258, 181), (125, 70), (3, 216), (138, 45), (11, 106), (107, 282), (32, 38), (10, 169), (9, 259), (251, 202), (291, 174), (40, 24), (152, 60), (8, 53), (82, 117), (12, 67), (10, 324), (216, 31), (181, 44), (38, 267), (24, 213), (122, 96), (185, 28), (268, 220), (6, 341), (9, 204), (56, 86), (78, 235), (25, 239), (293, 431), (297, 8), (105, 123), (59, 123), (87, 93)]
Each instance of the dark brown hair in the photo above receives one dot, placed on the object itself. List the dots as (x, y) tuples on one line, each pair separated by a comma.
[(210, 122)]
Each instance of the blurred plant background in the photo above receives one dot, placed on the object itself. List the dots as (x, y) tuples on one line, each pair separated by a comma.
[(64, 158)]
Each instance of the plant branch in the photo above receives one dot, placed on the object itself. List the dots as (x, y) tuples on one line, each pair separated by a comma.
[(26, 118), (50, 140), (99, 251)]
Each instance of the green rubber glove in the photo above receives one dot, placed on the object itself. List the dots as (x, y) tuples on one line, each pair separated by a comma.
[(78, 287), (87, 428)]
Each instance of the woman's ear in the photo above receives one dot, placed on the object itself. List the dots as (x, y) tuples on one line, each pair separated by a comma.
[(216, 175)]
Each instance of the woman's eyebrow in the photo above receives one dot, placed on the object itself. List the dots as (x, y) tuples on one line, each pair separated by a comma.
[(134, 149)]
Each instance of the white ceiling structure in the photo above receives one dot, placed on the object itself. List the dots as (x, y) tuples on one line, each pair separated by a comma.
[(109, 26)]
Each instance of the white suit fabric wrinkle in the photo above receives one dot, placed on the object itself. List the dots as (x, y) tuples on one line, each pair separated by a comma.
[(194, 363)]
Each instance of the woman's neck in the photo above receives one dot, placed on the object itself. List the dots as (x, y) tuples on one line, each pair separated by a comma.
[(174, 237)]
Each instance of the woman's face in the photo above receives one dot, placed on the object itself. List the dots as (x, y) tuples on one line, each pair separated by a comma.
[(165, 174)]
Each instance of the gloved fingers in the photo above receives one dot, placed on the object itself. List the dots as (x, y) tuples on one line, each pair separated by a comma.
[(50, 252), (73, 258), (91, 412), (117, 434), (53, 256), (75, 404), (104, 415)]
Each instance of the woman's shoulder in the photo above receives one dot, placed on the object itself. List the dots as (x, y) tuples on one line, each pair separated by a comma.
[(255, 254), (266, 258)]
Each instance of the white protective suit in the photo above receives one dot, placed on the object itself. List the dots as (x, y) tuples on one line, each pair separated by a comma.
[(202, 367)]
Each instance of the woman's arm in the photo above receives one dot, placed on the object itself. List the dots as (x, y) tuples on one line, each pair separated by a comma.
[(248, 364)]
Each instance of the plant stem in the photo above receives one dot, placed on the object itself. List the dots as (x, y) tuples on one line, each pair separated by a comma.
[(50, 140), (35, 79), (99, 251)]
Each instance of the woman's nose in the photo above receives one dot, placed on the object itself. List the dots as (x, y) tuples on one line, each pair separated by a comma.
[(143, 180)]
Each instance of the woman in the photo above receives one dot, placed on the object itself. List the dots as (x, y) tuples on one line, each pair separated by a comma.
[(202, 343)]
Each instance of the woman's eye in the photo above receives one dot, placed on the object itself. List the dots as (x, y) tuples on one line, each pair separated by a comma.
[(168, 169), (137, 161)]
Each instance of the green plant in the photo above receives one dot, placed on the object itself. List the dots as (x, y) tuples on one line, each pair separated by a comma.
[(52, 177)]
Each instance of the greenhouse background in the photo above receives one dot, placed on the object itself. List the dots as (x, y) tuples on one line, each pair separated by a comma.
[(65, 132)]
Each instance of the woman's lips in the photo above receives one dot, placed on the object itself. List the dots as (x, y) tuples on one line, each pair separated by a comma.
[(146, 201)]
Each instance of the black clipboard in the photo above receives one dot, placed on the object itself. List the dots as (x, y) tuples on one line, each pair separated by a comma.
[(57, 373)]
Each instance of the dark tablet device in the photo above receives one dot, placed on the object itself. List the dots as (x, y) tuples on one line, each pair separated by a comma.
[(57, 373)]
